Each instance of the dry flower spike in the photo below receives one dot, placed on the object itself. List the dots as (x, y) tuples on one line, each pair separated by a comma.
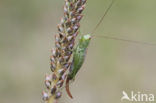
[(68, 29)]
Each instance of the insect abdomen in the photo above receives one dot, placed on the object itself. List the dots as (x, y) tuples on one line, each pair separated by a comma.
[(78, 60)]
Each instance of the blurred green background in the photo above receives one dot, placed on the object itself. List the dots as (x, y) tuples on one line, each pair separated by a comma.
[(27, 29)]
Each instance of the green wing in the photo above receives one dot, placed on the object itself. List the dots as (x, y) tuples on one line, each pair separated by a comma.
[(79, 56), (77, 62)]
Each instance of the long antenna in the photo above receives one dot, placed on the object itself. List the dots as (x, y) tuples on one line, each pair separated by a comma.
[(115, 38), (105, 13), (127, 40)]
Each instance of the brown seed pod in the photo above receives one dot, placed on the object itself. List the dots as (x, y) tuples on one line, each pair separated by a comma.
[(48, 77), (61, 71), (53, 52), (73, 20), (52, 59), (75, 34), (69, 38), (54, 77), (58, 95), (60, 83), (53, 90), (69, 30), (57, 44), (67, 65), (70, 47), (79, 17), (48, 84), (75, 28), (57, 39), (71, 7), (60, 28), (52, 67), (65, 10), (79, 10), (61, 35), (45, 96), (79, 3), (64, 77)]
